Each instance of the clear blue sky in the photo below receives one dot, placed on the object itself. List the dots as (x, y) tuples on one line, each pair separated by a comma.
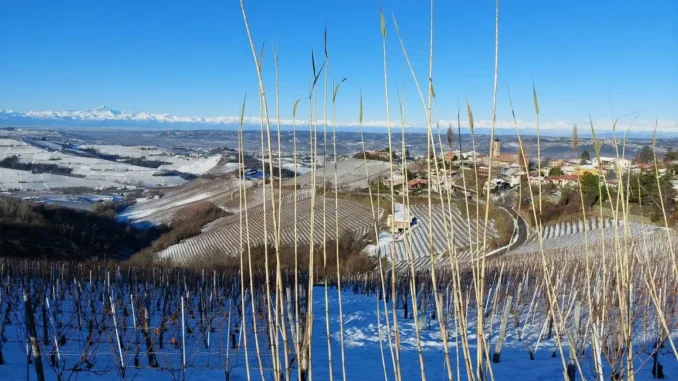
[(193, 58)]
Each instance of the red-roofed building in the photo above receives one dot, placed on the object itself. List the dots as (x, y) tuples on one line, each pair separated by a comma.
[(417, 183)]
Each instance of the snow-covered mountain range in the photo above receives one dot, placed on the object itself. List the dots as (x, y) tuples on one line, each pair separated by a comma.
[(106, 117)]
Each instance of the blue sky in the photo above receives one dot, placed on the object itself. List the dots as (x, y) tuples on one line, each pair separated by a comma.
[(193, 59)]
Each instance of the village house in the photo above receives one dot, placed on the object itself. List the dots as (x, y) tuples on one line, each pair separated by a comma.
[(613, 163), (563, 180), (382, 155), (612, 183), (445, 183), (400, 220), (396, 180), (509, 159), (555, 163), (483, 170), (582, 170), (497, 158), (649, 168), (455, 155), (416, 184), (498, 184)]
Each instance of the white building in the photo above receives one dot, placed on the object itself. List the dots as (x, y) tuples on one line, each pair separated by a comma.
[(395, 180), (444, 184), (614, 163)]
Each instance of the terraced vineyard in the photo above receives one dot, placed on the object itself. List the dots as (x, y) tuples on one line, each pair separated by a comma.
[(350, 174), (223, 237), (163, 210), (419, 237), (255, 201), (564, 235)]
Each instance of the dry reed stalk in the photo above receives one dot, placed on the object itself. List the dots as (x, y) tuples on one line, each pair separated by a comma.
[(280, 325), (536, 111), (429, 139), (390, 150), (336, 231), (296, 245), (242, 189), (551, 296), (325, 286), (394, 356)]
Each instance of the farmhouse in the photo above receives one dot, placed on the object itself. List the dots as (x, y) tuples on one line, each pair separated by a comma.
[(383, 155), (613, 163), (582, 170), (499, 184), (395, 180), (562, 180), (455, 155), (556, 163), (647, 168), (400, 220), (442, 184), (417, 183)]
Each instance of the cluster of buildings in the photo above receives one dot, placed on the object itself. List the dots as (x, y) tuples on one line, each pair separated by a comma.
[(510, 169), (507, 169), (605, 167)]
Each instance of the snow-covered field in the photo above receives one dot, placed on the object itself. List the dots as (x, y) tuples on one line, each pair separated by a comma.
[(367, 349), (106, 171), (196, 166), (27, 181), (126, 151)]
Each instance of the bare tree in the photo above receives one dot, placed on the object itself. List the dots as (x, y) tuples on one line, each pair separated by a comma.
[(450, 136), (574, 140)]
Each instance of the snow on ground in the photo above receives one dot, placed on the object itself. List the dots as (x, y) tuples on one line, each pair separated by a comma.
[(133, 214), (126, 151), (366, 347), (10, 143), (563, 235), (298, 168), (350, 173), (163, 209), (24, 180), (195, 166), (110, 171), (145, 178)]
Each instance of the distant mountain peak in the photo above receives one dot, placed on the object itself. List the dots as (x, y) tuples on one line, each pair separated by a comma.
[(106, 116)]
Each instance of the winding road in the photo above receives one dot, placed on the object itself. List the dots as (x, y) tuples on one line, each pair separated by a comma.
[(520, 236)]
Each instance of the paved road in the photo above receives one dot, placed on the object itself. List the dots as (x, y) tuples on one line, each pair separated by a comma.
[(522, 229), (522, 234)]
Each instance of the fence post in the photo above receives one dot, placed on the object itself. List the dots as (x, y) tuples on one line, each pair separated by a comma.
[(502, 330), (183, 336), (574, 335), (33, 337), (152, 360), (117, 336)]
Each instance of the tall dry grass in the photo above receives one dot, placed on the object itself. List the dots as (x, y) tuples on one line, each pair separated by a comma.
[(610, 282)]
